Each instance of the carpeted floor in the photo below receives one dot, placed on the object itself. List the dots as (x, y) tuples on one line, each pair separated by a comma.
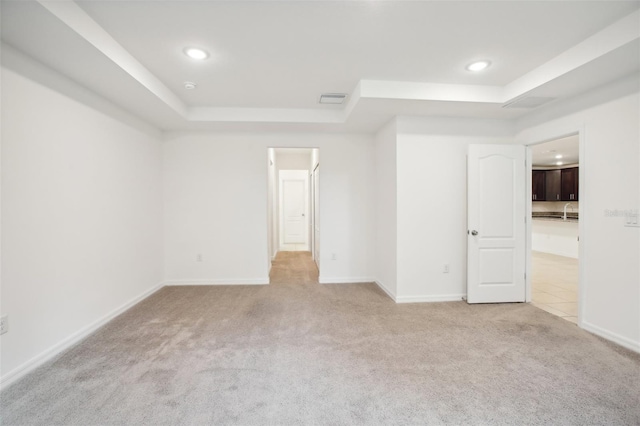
[(297, 352)]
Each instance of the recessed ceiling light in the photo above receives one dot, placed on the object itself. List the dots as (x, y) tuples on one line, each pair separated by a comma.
[(478, 66), (195, 53), (558, 156), (559, 163), (189, 85)]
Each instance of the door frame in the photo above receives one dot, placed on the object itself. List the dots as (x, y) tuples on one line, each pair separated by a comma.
[(583, 200), (315, 212)]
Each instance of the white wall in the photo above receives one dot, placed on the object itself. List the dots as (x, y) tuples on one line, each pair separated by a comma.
[(610, 181), (216, 205), (81, 222), (386, 251), (432, 202), (293, 160)]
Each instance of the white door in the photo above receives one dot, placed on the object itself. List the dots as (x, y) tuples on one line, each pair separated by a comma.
[(496, 224), (294, 229), (316, 215)]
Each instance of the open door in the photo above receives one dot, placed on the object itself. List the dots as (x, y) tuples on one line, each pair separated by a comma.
[(496, 224)]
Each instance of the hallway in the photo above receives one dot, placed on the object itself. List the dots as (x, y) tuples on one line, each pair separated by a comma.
[(293, 268)]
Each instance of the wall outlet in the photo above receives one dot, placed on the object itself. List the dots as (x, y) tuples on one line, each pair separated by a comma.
[(4, 324), (445, 269), (334, 256), (199, 257)]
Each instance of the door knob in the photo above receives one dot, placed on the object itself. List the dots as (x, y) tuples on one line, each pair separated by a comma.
[(474, 232)]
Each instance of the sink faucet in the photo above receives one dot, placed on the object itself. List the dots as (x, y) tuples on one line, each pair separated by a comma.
[(564, 216)]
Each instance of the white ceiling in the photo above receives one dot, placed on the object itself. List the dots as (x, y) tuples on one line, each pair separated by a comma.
[(271, 60), (544, 154)]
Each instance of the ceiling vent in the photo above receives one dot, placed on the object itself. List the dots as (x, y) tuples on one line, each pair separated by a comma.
[(333, 98), (527, 102)]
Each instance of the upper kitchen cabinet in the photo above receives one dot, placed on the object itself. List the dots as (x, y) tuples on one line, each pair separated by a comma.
[(552, 185), (538, 185), (569, 184)]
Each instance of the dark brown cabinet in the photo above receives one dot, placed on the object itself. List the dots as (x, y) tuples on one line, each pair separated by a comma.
[(555, 185), (538, 181), (552, 185), (569, 181)]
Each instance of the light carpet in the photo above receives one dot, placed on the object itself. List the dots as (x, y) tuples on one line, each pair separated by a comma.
[(297, 352)]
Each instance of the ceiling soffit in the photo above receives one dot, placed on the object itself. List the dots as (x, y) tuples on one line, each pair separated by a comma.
[(618, 36)]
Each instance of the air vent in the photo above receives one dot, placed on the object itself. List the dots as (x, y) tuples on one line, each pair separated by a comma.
[(333, 98), (527, 102)]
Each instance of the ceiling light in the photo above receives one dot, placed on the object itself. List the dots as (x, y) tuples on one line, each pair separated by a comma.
[(559, 163), (478, 66), (559, 156), (195, 53), (189, 85)]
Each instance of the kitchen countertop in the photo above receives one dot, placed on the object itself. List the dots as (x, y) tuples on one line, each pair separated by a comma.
[(555, 216)]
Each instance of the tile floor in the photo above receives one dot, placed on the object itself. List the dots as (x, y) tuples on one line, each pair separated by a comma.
[(555, 285)]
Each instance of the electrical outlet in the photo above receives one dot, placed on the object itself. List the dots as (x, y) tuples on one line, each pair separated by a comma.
[(4, 324), (445, 270), (199, 257), (334, 256)]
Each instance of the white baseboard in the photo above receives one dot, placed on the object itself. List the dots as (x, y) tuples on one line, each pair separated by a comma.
[(615, 338), (343, 280), (27, 367), (294, 247), (420, 299), (217, 281), (386, 290), (430, 298)]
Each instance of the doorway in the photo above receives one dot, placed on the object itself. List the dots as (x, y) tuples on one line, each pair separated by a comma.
[(555, 222), (293, 215)]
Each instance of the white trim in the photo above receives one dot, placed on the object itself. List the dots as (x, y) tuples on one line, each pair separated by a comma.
[(35, 362), (528, 266), (218, 281), (343, 280), (583, 199), (615, 338), (386, 290), (431, 298)]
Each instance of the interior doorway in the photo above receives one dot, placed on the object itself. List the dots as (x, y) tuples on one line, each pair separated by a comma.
[(293, 206), (555, 222)]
